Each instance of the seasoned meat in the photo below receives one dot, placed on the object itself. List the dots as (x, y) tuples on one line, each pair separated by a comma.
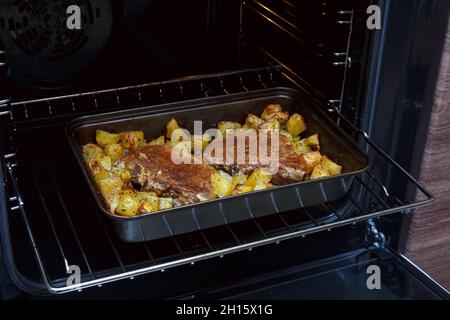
[(292, 167), (152, 169)]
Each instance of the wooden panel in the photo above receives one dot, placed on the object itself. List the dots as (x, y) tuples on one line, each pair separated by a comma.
[(428, 241)]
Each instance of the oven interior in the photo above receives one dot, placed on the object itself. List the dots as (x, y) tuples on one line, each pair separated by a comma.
[(131, 54)]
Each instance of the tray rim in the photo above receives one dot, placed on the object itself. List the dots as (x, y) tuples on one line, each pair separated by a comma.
[(184, 105)]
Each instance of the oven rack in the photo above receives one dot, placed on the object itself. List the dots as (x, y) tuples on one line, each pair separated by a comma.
[(41, 203)]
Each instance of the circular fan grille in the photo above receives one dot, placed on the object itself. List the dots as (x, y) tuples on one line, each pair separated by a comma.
[(40, 45)]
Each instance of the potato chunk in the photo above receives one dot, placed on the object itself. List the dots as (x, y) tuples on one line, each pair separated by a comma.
[(132, 139), (223, 126), (310, 160), (319, 172), (171, 126), (253, 122), (332, 167), (258, 177), (110, 187), (199, 142), (104, 138), (296, 124), (148, 202), (239, 178), (262, 186), (128, 203), (274, 112), (270, 125), (92, 152), (114, 150), (222, 183), (313, 142), (159, 140), (242, 189), (165, 203)]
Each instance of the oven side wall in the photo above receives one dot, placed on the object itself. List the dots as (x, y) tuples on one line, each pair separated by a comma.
[(428, 242)]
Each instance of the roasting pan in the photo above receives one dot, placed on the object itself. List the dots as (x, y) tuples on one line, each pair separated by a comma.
[(335, 143)]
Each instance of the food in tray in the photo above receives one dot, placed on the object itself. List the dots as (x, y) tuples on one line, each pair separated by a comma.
[(137, 176)]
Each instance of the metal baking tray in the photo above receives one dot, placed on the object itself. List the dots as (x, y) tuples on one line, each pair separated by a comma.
[(335, 143)]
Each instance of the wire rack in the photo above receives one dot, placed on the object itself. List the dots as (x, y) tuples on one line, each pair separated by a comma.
[(51, 205)]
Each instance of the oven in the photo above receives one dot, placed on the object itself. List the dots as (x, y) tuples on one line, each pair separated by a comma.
[(374, 64)]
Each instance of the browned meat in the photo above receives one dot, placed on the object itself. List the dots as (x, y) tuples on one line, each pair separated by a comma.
[(292, 167), (152, 168)]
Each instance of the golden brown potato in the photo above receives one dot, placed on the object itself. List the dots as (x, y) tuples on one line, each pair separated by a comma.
[(148, 202), (223, 126), (262, 186), (159, 140), (313, 142), (274, 112), (199, 142), (222, 183), (319, 172), (118, 170), (104, 138), (132, 139), (286, 134), (239, 178), (114, 150), (296, 124), (253, 122), (310, 160), (270, 125), (110, 188), (128, 203), (171, 126), (242, 189), (258, 177), (165, 203), (106, 163), (92, 152), (332, 167)]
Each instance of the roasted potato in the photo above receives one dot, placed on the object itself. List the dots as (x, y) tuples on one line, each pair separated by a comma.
[(313, 142), (199, 142), (106, 163), (332, 167), (114, 150), (253, 122), (92, 152), (239, 178), (222, 183), (165, 203), (110, 188), (104, 138), (286, 134), (223, 126), (242, 189), (132, 139), (159, 140), (296, 124), (128, 203), (319, 172), (148, 202), (300, 147), (310, 160), (274, 112), (118, 170), (270, 125), (257, 177), (262, 186), (171, 126)]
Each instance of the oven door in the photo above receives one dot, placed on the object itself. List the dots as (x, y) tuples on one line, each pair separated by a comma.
[(360, 274)]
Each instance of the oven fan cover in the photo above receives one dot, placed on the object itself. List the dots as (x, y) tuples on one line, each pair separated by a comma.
[(39, 45)]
